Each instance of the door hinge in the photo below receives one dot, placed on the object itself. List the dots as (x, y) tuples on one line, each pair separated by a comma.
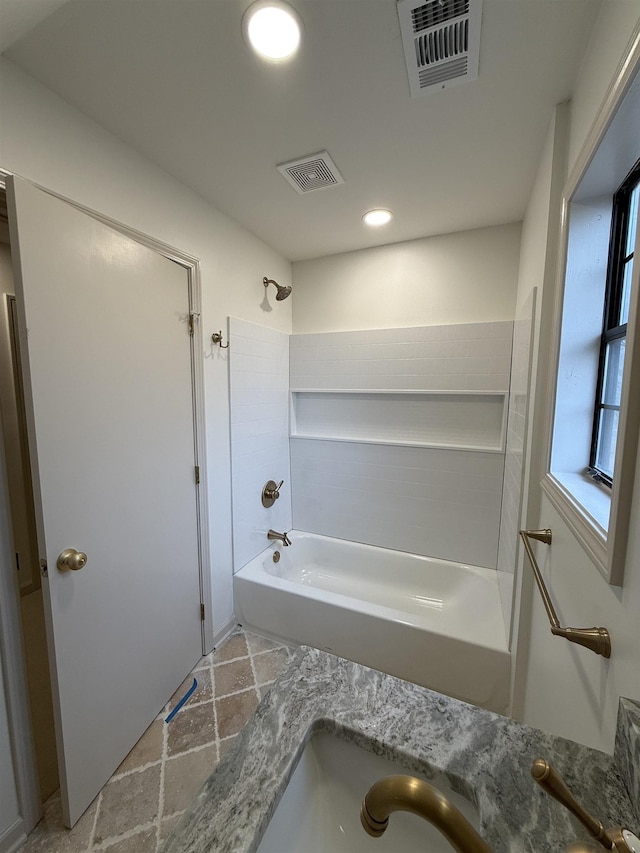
[(197, 467), (193, 316), (202, 612)]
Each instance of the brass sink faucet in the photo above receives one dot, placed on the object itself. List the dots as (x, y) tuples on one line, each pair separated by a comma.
[(408, 794), (616, 838)]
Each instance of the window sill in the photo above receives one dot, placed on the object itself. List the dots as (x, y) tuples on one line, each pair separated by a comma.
[(592, 496), (585, 506)]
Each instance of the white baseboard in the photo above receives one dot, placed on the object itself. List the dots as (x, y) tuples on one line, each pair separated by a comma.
[(221, 634), (13, 837)]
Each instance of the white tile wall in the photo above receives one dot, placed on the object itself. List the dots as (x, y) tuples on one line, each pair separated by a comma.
[(469, 356), (443, 503), (516, 432), (259, 406)]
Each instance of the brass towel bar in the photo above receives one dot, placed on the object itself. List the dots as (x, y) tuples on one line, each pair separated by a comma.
[(596, 639)]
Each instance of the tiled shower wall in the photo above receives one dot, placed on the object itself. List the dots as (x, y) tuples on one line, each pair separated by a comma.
[(516, 433), (468, 356), (435, 501), (259, 405)]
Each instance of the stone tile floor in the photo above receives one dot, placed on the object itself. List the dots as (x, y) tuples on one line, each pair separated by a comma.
[(144, 799)]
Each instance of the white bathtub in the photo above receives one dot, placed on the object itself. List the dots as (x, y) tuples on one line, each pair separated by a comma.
[(435, 623)]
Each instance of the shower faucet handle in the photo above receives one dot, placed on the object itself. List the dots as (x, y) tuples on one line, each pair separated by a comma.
[(272, 489), (271, 492)]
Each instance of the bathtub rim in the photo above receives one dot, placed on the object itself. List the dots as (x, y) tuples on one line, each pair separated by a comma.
[(254, 572)]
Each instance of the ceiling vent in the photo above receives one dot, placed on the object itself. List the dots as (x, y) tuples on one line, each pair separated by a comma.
[(315, 172), (441, 41)]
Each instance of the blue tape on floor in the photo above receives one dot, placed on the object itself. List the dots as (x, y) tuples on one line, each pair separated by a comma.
[(182, 701)]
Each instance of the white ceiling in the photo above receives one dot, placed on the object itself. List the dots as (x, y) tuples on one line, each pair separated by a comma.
[(174, 79), (17, 17)]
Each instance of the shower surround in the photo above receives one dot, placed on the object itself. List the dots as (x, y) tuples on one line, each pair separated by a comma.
[(424, 474), (394, 438)]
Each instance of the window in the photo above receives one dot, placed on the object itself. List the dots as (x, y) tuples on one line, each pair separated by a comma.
[(624, 220), (595, 421)]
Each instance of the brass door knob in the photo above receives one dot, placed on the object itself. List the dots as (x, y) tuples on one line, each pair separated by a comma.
[(71, 560)]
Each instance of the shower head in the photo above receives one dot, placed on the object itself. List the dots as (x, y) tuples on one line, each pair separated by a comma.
[(282, 293)]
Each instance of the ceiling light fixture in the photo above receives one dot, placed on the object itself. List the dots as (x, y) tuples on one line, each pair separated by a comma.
[(273, 29), (376, 218)]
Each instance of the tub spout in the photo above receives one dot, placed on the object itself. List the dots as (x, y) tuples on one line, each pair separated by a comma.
[(274, 536), (406, 793)]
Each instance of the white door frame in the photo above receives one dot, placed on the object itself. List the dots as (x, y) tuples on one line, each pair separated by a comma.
[(15, 689), (10, 639)]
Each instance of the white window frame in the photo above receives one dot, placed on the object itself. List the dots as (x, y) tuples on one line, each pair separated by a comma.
[(598, 517)]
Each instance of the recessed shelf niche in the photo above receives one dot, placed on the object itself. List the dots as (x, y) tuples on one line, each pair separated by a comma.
[(457, 420)]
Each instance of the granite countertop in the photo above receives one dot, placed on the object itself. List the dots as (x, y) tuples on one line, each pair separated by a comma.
[(483, 755)]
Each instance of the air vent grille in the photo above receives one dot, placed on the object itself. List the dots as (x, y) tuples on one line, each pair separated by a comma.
[(432, 14), (441, 41), (441, 73), (314, 172)]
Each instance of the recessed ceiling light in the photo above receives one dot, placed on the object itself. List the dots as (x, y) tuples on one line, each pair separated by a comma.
[(273, 29), (377, 217)]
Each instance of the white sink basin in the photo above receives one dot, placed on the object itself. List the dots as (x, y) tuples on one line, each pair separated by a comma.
[(320, 809)]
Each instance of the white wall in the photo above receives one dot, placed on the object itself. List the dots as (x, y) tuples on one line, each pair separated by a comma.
[(46, 141), (467, 277), (259, 389), (566, 689), (610, 35), (537, 270)]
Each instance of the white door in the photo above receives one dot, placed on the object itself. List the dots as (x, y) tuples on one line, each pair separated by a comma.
[(106, 356)]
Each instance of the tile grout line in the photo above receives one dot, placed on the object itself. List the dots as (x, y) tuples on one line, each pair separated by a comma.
[(109, 842), (165, 745), (215, 710), (257, 654), (260, 685), (253, 669), (132, 770), (209, 666), (94, 826), (202, 702)]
